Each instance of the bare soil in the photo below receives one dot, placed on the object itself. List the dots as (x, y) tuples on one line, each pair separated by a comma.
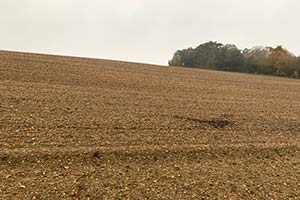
[(78, 128)]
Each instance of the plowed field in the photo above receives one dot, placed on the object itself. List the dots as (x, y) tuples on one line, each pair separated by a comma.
[(78, 128)]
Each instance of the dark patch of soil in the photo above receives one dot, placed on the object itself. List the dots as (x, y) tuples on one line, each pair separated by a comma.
[(215, 123)]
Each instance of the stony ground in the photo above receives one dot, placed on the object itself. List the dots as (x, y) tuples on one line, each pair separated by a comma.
[(75, 128)]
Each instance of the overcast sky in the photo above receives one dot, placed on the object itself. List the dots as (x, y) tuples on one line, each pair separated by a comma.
[(145, 30)]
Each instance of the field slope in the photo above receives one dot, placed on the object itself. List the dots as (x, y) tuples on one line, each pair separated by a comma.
[(77, 128)]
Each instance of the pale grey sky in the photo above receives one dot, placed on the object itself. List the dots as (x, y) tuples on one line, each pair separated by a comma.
[(145, 30)]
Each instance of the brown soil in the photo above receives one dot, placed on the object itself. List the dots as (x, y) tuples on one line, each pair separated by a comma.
[(76, 128)]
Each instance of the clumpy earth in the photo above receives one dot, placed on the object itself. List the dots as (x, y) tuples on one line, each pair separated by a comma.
[(77, 128)]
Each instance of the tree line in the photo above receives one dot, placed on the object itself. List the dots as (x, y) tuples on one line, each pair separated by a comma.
[(259, 60)]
